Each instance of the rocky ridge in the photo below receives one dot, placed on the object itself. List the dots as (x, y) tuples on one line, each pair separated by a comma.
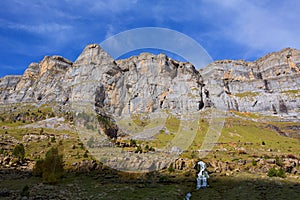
[(147, 83)]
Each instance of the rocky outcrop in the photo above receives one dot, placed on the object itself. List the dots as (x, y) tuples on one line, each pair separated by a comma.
[(41, 82), (7, 86), (148, 83), (270, 84)]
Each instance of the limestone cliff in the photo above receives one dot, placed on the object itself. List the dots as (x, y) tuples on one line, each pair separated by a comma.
[(269, 84), (147, 83)]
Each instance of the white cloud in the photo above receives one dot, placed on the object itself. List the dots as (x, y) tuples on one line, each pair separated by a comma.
[(265, 25), (255, 25), (40, 28)]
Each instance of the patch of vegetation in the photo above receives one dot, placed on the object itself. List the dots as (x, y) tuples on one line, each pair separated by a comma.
[(161, 140), (273, 172), (247, 94), (171, 168), (139, 149), (278, 161), (19, 151), (24, 114), (85, 155), (132, 143), (148, 148), (25, 191), (140, 119), (294, 93), (51, 169), (52, 139), (249, 115), (172, 123), (108, 125)]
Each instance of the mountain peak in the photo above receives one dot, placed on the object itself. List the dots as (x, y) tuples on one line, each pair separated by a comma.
[(93, 54)]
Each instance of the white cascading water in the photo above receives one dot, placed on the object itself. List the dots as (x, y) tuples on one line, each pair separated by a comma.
[(201, 179)]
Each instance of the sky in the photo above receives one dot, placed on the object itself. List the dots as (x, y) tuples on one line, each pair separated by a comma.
[(226, 29)]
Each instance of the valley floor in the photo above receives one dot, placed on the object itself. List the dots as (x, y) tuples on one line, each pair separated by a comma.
[(98, 186)]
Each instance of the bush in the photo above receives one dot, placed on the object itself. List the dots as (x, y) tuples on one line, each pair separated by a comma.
[(263, 143), (254, 163), (171, 168), (139, 149), (51, 168), (52, 139), (85, 155), (19, 151), (278, 161), (81, 145), (281, 173), (151, 149), (132, 143), (276, 173), (272, 172), (25, 191), (38, 168)]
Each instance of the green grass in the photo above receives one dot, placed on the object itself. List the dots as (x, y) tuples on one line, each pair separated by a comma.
[(140, 119), (161, 140), (97, 186), (247, 94), (172, 123), (249, 135), (250, 115), (236, 133), (292, 93), (24, 114)]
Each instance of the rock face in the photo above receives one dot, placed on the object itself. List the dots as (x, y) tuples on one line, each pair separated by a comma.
[(147, 83), (270, 84), (41, 82)]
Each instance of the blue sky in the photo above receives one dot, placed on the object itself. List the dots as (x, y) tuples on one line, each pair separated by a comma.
[(227, 29)]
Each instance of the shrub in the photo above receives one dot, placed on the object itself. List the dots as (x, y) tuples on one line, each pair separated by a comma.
[(81, 145), (151, 149), (25, 191), (254, 163), (52, 139), (171, 168), (139, 149), (272, 172), (85, 155), (51, 168), (279, 173), (19, 151), (132, 143), (263, 143), (278, 161), (38, 168)]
